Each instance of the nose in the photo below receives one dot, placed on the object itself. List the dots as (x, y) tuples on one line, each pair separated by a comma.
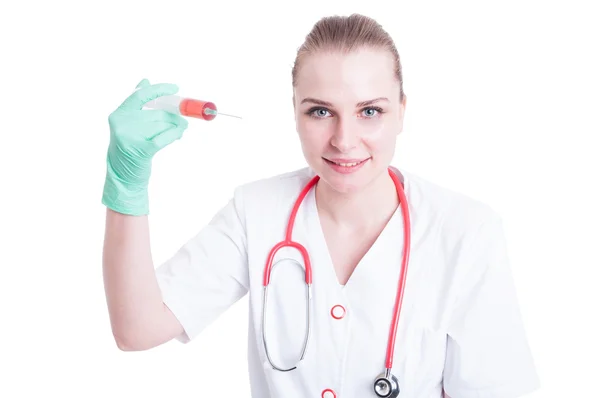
[(345, 135)]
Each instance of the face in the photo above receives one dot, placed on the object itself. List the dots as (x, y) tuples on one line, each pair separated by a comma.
[(348, 116)]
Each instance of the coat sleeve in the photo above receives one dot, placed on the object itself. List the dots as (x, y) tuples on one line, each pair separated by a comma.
[(209, 273), (488, 355)]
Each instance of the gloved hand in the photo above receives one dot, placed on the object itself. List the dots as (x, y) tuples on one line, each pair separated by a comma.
[(136, 135)]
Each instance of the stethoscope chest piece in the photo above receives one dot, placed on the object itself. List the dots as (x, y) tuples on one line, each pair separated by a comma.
[(386, 386)]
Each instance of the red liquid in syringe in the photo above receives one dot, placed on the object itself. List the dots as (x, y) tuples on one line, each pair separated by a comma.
[(189, 107), (199, 109)]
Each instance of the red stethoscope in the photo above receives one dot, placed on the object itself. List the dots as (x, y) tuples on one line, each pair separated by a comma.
[(386, 384)]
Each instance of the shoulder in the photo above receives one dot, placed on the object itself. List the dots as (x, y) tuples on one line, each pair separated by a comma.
[(273, 191), (467, 233), (455, 213), (279, 184)]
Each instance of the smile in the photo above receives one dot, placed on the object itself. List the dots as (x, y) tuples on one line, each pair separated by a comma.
[(346, 166), (347, 163)]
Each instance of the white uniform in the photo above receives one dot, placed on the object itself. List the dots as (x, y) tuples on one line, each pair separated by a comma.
[(460, 328)]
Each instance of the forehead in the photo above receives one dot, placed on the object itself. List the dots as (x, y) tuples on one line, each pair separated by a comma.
[(352, 77)]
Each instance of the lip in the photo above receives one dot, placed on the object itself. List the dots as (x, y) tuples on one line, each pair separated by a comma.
[(349, 160), (346, 169)]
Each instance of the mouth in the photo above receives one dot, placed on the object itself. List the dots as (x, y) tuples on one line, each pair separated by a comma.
[(346, 166), (346, 162)]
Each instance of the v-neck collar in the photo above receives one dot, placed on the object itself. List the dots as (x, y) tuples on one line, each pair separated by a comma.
[(322, 258)]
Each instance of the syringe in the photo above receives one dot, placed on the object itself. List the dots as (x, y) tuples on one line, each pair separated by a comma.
[(189, 107)]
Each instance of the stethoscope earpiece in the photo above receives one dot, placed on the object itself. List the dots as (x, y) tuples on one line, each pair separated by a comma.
[(386, 386)]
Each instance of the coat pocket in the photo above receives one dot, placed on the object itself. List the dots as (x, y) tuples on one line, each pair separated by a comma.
[(295, 383), (430, 357)]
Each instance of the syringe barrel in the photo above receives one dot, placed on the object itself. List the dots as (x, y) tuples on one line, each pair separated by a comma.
[(184, 106), (169, 103)]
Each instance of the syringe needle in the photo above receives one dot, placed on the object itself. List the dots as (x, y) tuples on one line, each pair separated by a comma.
[(224, 114), (213, 112)]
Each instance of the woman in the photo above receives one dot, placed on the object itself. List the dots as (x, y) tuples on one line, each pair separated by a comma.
[(459, 328)]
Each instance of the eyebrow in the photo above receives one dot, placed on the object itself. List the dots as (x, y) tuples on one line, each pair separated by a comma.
[(360, 104)]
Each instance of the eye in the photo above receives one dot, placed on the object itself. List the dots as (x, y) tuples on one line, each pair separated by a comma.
[(320, 113), (317, 112), (372, 111)]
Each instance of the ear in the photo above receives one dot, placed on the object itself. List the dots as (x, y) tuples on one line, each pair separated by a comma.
[(403, 105), (402, 110), (294, 111)]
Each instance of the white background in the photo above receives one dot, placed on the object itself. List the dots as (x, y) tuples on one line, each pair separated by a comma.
[(503, 105)]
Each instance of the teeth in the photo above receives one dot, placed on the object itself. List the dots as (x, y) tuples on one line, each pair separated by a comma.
[(347, 164)]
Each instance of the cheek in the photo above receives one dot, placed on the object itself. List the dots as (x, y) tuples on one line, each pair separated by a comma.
[(314, 134), (379, 135)]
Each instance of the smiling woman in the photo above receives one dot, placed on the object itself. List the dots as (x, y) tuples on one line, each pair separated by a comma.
[(349, 103), (345, 293)]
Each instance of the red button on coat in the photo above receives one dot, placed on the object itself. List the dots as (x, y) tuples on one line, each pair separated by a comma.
[(338, 311), (328, 393)]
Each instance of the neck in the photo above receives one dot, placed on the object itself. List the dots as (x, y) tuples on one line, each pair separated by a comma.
[(374, 204)]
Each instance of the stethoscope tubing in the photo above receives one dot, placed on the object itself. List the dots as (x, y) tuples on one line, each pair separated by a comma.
[(288, 242)]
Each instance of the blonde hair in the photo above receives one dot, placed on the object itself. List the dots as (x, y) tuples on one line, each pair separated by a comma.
[(346, 34)]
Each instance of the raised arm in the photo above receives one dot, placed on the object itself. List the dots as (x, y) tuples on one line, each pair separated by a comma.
[(138, 317)]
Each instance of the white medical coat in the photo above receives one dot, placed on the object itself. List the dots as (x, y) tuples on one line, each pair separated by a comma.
[(460, 327)]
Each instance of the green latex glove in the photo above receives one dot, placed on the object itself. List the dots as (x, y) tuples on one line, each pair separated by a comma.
[(136, 135)]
